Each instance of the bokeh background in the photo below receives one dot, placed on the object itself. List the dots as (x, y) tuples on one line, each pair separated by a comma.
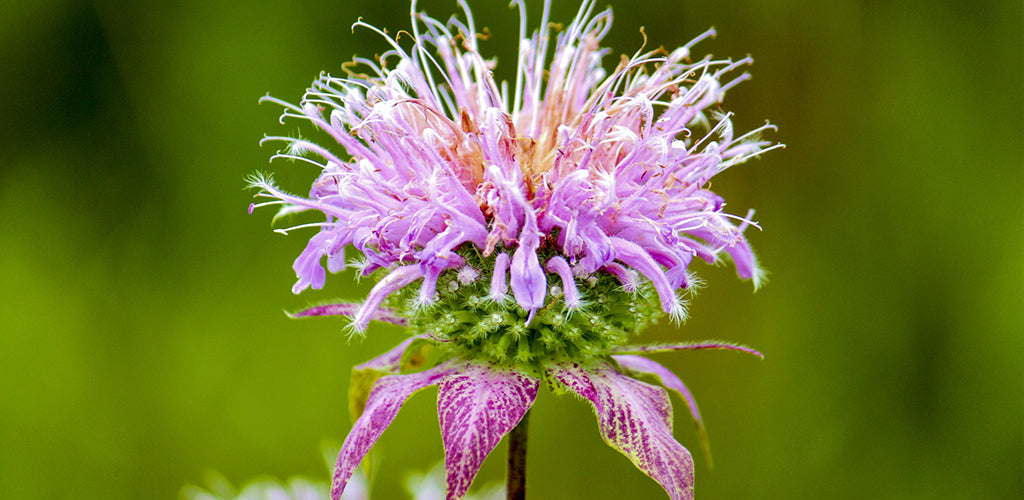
[(142, 335)]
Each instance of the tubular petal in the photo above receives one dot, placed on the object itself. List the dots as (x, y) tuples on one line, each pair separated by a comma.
[(395, 280), (498, 283), (570, 292)]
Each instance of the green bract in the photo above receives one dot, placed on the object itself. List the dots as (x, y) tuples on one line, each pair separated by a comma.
[(466, 322)]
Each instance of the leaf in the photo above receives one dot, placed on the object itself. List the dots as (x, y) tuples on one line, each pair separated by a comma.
[(385, 399), (416, 354), (477, 404), (685, 346), (635, 418), (670, 381), (366, 374), (349, 309)]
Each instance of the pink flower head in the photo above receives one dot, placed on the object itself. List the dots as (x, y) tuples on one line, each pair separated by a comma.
[(527, 229)]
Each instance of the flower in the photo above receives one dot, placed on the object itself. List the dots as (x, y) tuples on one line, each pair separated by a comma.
[(524, 236)]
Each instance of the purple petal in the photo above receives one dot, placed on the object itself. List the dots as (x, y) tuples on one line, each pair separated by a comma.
[(498, 283), (477, 405), (626, 276), (689, 346), (438, 252), (634, 256), (346, 309), (529, 283), (307, 265), (736, 245), (743, 257), (394, 281), (745, 261), (599, 248), (670, 381), (636, 419), (386, 398), (428, 290), (558, 265), (511, 208)]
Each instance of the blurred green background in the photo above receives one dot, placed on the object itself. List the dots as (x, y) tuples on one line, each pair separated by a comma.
[(142, 339)]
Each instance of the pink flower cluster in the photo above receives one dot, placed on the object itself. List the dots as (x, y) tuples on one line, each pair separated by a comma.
[(602, 169)]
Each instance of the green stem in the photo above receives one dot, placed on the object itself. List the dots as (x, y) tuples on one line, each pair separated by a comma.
[(515, 488)]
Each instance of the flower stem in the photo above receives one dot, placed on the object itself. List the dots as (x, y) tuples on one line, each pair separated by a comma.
[(515, 488)]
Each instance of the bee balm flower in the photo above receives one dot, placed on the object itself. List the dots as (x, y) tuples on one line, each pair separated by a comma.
[(526, 233)]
